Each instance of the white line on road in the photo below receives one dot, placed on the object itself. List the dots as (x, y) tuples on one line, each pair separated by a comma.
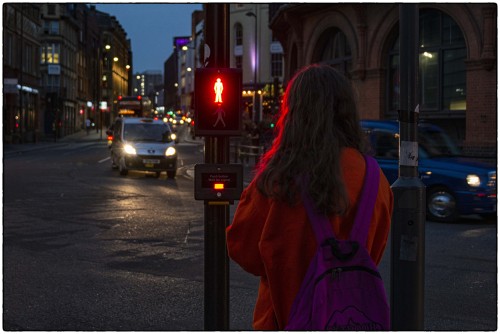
[(105, 159)]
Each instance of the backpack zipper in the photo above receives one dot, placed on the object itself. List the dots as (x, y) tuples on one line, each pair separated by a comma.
[(335, 272)]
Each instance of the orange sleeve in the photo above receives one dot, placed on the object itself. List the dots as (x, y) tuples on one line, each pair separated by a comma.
[(244, 234)]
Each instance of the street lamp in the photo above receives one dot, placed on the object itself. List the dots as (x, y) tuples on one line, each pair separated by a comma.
[(255, 68)]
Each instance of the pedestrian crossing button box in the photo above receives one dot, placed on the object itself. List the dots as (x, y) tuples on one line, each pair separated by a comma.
[(218, 182)]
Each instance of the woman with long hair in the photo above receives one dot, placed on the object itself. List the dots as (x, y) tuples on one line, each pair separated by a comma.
[(319, 139)]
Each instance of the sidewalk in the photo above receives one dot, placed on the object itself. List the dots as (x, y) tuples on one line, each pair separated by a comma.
[(78, 137)]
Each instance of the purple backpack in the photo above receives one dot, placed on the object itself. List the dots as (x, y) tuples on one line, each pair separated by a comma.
[(342, 289)]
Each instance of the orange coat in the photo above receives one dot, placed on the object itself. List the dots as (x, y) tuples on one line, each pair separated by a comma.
[(272, 240)]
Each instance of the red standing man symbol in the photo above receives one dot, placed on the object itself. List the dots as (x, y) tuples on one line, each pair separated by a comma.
[(218, 88)]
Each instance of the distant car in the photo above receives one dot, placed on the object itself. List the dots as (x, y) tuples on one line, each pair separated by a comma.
[(455, 185), (143, 144)]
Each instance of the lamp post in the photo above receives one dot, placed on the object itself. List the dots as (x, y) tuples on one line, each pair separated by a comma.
[(255, 116), (103, 78)]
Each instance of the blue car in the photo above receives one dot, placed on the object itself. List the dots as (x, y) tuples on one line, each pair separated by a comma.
[(455, 185)]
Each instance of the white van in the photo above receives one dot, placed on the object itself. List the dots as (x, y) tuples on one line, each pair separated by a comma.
[(143, 144)]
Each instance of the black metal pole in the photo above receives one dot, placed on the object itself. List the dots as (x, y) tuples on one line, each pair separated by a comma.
[(408, 221), (216, 216), (257, 114)]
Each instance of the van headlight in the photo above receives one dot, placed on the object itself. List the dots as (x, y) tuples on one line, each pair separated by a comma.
[(170, 151), (129, 149), (173, 136), (473, 180)]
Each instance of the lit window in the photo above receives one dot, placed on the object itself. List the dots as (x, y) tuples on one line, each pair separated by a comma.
[(50, 54)]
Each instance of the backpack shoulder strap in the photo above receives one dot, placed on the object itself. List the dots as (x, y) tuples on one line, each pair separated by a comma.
[(366, 204), (319, 223), (361, 225)]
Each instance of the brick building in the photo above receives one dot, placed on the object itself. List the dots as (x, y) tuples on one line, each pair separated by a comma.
[(458, 60), (21, 72)]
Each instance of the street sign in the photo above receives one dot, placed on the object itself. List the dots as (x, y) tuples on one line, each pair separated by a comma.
[(218, 182), (217, 96)]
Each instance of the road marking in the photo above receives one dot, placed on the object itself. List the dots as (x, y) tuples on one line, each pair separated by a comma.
[(105, 159)]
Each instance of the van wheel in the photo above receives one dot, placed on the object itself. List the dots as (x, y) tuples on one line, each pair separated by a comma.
[(171, 174), (158, 174)]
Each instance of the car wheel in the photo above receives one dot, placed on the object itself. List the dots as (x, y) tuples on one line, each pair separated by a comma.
[(441, 205), (171, 174)]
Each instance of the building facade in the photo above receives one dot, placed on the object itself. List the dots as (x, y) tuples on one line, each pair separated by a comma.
[(150, 84), (252, 48), (116, 70), (21, 72), (61, 61), (170, 98), (458, 60), (59, 56), (255, 50), (88, 65)]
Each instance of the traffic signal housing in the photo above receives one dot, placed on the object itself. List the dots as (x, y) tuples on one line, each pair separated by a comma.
[(217, 97)]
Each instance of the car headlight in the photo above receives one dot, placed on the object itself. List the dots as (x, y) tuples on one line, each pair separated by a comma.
[(173, 136), (473, 180), (129, 149), (170, 151)]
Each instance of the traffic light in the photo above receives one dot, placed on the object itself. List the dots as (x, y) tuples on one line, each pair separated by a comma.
[(217, 96)]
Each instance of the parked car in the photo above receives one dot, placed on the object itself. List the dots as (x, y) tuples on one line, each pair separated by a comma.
[(455, 185), (143, 144)]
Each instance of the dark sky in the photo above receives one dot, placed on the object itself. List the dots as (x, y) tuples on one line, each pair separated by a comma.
[(151, 28)]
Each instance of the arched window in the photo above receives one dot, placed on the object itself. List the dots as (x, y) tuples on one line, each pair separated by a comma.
[(333, 49), (441, 65)]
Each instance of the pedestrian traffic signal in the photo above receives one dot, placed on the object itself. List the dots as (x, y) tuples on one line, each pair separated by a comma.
[(217, 102)]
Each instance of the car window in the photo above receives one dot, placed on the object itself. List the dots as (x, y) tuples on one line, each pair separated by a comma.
[(385, 144), (436, 143), (147, 132)]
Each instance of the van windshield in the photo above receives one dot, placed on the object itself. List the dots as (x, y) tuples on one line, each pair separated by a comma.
[(147, 132)]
